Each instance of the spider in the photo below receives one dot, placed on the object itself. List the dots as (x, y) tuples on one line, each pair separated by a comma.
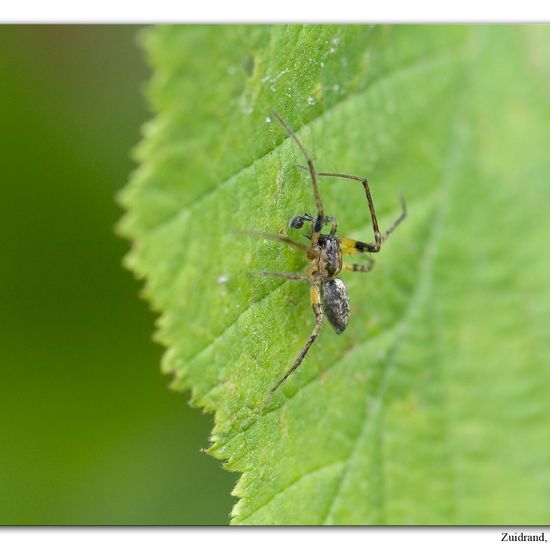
[(329, 296)]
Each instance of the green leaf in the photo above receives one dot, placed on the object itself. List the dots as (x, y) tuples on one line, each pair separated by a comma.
[(432, 407)]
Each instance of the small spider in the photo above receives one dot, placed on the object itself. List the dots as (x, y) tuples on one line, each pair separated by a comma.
[(329, 296)]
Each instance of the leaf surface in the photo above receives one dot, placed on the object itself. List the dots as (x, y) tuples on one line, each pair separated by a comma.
[(431, 408)]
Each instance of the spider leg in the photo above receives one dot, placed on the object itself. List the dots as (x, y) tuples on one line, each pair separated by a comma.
[(363, 268), (274, 237), (399, 219), (287, 276), (319, 220), (350, 246), (316, 305), (333, 222), (379, 238)]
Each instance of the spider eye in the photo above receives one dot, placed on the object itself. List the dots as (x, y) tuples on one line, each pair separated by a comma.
[(296, 222)]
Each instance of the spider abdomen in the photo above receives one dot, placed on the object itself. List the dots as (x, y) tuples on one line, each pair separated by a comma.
[(335, 301)]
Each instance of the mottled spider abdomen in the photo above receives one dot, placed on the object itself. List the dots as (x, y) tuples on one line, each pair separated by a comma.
[(334, 298)]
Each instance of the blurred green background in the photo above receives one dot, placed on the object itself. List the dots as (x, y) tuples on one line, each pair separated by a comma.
[(90, 432)]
